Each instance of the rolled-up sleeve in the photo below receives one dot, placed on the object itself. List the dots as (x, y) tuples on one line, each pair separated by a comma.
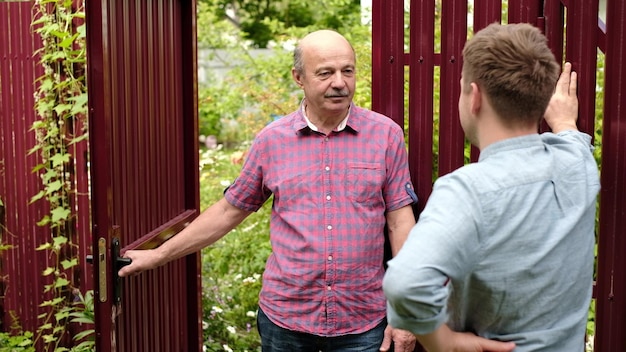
[(416, 306), (439, 249)]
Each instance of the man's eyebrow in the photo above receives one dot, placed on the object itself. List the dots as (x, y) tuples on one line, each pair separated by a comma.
[(331, 68)]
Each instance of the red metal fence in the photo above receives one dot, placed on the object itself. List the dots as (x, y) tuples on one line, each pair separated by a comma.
[(21, 281), (575, 34), (404, 39)]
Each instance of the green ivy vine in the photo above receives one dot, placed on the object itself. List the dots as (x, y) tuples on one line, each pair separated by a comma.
[(61, 107)]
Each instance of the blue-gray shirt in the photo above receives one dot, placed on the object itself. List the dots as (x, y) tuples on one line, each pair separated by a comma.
[(505, 247)]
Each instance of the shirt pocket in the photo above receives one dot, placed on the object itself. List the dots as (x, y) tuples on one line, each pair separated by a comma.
[(364, 181)]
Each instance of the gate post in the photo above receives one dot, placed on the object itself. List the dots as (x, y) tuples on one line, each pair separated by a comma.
[(611, 286)]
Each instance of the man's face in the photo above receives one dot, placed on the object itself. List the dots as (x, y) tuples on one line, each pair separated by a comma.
[(328, 79)]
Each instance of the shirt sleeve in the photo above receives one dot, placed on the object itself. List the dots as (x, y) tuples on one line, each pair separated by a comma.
[(398, 189), (247, 192), (441, 249)]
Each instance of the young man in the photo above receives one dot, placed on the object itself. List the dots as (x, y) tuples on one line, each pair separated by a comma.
[(502, 256), (338, 174)]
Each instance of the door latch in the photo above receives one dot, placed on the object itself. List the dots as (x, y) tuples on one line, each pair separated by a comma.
[(117, 263)]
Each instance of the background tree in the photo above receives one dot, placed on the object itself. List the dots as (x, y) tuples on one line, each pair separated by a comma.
[(261, 21)]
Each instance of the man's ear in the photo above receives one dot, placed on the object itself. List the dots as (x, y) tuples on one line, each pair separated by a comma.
[(475, 99), (297, 77)]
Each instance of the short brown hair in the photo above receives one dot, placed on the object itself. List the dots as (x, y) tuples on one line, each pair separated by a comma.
[(513, 64)]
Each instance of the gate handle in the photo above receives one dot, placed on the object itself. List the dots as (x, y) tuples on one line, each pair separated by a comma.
[(116, 264)]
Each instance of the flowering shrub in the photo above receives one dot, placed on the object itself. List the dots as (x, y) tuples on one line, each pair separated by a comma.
[(232, 267)]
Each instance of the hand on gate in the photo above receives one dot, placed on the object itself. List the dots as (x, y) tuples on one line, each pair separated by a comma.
[(562, 111), (141, 260)]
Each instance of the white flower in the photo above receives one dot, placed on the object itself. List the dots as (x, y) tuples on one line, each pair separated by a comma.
[(251, 314), (226, 348), (216, 309), (231, 329)]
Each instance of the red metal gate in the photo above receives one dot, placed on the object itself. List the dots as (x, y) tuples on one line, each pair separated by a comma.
[(439, 149), (144, 168)]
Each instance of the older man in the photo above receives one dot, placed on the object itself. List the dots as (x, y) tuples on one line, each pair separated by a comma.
[(338, 174)]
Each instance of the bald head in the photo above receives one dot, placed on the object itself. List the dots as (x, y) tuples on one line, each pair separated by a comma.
[(317, 42)]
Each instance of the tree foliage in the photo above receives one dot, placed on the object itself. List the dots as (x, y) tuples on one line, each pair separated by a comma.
[(261, 21)]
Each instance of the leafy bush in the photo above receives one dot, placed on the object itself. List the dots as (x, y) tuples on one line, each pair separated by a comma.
[(232, 267)]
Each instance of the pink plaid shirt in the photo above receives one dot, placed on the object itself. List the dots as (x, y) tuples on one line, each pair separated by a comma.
[(331, 193)]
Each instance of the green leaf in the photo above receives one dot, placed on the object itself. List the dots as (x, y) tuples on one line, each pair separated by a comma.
[(60, 213), (78, 139), (43, 222), (61, 108), (59, 241), (61, 282), (52, 303), (82, 29), (49, 175), (68, 41), (54, 186), (48, 271), (61, 315), (38, 196), (43, 246), (82, 320), (60, 159), (46, 84), (45, 326), (38, 167), (69, 263), (80, 102), (58, 34)]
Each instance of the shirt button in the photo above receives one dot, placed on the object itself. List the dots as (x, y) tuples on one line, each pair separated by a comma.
[(325, 139), (329, 227), (330, 257), (327, 197), (328, 287), (327, 168)]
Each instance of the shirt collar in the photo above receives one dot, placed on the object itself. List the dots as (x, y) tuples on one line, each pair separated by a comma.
[(342, 125), (511, 143)]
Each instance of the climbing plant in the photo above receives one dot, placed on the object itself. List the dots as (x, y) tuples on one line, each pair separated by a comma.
[(61, 108)]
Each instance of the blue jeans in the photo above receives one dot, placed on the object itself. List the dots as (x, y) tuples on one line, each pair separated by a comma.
[(277, 339)]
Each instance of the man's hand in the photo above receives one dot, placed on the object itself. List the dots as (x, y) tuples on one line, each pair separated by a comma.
[(403, 341), (141, 260), (562, 111), (444, 340)]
